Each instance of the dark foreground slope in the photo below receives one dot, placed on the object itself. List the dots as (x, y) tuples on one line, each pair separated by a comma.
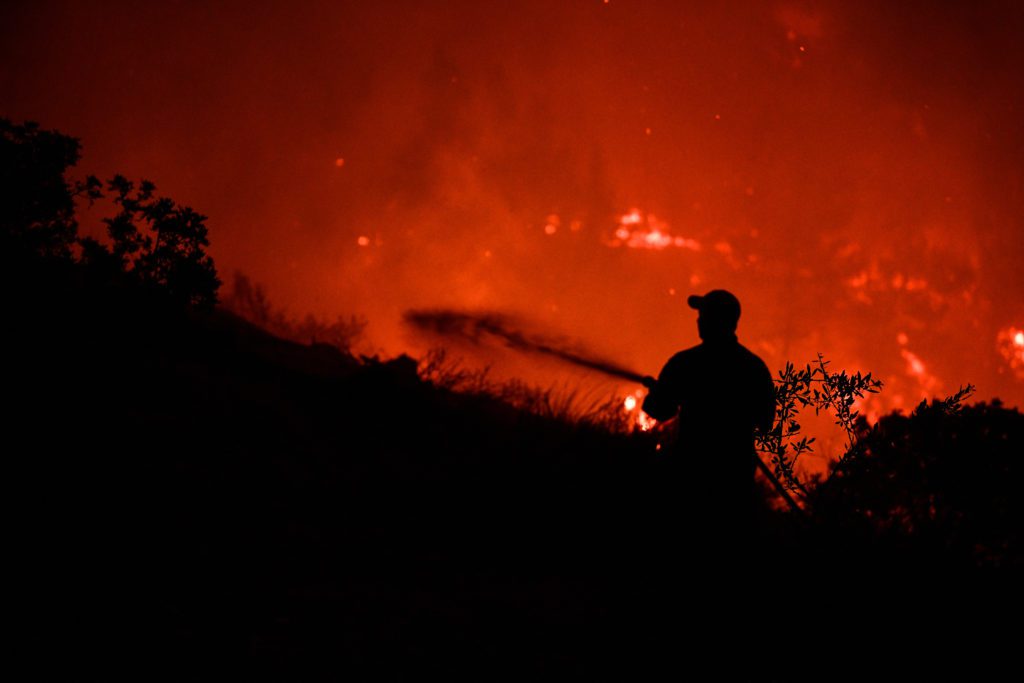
[(189, 489)]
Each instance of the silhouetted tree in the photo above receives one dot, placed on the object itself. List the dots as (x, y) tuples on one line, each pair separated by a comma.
[(161, 243), (153, 240), (37, 201)]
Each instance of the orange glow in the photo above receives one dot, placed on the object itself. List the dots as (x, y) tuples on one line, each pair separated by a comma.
[(869, 217), (914, 363), (631, 218), (644, 231), (1010, 342), (641, 420), (552, 224), (928, 383)]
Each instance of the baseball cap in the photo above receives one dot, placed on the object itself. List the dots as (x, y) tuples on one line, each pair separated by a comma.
[(718, 304)]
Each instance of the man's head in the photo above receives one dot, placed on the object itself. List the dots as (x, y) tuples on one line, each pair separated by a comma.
[(719, 313)]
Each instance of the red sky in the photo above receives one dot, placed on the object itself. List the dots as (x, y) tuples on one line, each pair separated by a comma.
[(852, 171)]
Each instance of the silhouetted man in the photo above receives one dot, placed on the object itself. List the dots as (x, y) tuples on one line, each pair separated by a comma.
[(721, 392)]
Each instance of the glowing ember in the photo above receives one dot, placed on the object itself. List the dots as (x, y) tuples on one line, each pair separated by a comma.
[(928, 382), (339, 162), (363, 241), (631, 404), (873, 280), (914, 363), (1010, 342), (551, 227), (639, 231)]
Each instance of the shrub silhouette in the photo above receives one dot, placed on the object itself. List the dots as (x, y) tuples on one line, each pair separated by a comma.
[(815, 386), (155, 242), (946, 478), (37, 201), (249, 300), (161, 244)]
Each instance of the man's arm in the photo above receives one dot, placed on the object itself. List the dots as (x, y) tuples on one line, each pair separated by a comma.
[(661, 401)]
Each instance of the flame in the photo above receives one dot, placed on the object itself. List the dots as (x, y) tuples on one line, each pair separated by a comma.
[(631, 404), (928, 382), (637, 230), (1010, 342)]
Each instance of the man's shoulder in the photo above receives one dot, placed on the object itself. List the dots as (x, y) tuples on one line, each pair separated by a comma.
[(701, 355), (687, 355), (753, 359)]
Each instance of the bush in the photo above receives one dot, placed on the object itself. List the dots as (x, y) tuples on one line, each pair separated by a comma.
[(156, 242), (249, 301), (37, 201)]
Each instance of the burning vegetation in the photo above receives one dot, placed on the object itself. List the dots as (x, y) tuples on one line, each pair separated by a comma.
[(851, 171)]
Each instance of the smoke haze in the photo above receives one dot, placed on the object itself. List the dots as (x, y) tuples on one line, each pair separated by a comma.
[(852, 171)]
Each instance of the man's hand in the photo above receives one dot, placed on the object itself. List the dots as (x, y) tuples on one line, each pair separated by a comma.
[(649, 382)]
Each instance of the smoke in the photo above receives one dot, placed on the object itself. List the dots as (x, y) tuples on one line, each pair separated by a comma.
[(852, 171)]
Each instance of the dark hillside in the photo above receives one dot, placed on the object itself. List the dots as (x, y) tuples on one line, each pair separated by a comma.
[(235, 483), (187, 488), (204, 490)]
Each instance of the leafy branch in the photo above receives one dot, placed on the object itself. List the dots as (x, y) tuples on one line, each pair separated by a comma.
[(814, 385), (161, 243)]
